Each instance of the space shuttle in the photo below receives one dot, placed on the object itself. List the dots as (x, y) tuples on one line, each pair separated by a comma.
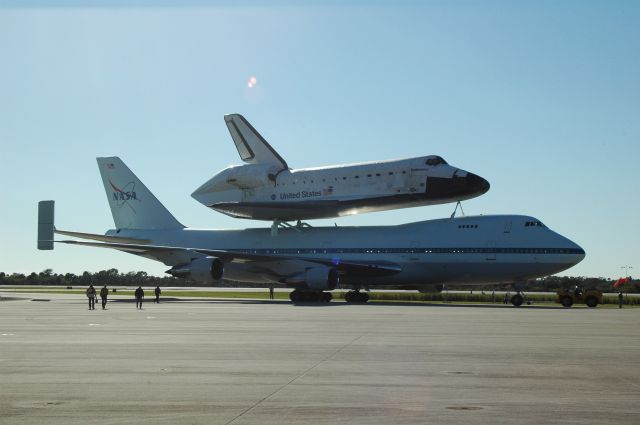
[(266, 188)]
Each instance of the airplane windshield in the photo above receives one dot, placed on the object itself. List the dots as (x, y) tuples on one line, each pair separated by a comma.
[(436, 160), (534, 224)]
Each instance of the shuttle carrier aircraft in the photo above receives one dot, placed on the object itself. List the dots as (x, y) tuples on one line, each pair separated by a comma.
[(314, 260), (267, 189)]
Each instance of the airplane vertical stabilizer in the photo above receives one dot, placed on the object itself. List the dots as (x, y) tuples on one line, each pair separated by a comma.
[(252, 147), (133, 206)]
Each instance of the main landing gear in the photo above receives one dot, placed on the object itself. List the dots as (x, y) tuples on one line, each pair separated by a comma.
[(298, 296), (517, 299), (356, 297)]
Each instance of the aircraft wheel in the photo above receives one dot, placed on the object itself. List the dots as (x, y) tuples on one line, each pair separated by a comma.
[(356, 297), (294, 296), (566, 301), (517, 300), (348, 297), (591, 301), (326, 297)]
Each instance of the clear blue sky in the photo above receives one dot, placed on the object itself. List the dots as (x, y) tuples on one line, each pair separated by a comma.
[(542, 98)]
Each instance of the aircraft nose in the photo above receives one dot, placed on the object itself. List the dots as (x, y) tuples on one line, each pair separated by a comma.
[(578, 253), (477, 184), (463, 185)]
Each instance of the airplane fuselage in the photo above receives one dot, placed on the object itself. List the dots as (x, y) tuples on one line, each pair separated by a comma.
[(466, 250)]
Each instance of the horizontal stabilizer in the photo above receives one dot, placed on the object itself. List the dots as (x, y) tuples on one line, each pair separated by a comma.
[(45, 224), (102, 238)]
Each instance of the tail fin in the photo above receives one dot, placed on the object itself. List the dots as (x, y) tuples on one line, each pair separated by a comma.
[(45, 225), (133, 206), (251, 146)]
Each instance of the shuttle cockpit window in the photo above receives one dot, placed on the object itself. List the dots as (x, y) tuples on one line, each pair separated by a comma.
[(435, 160)]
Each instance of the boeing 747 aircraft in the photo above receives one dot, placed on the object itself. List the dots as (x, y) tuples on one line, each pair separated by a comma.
[(314, 260), (267, 189)]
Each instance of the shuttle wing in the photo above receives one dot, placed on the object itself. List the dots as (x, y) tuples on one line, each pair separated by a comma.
[(181, 254), (252, 147)]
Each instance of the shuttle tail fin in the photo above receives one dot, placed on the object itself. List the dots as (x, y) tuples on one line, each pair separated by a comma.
[(252, 147), (133, 206)]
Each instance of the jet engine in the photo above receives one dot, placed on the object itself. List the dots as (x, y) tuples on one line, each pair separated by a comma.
[(208, 269), (322, 278)]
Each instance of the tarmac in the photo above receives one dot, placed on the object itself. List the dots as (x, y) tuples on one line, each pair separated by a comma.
[(259, 362)]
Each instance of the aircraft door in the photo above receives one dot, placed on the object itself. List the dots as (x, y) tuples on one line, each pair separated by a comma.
[(417, 180), (491, 251), (507, 227)]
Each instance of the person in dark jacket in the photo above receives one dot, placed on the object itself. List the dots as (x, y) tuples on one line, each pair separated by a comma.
[(91, 294), (103, 295), (158, 291), (139, 296)]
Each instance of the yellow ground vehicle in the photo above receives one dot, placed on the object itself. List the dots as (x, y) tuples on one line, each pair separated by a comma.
[(591, 297)]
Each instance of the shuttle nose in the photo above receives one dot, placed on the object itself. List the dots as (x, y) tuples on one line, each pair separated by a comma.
[(463, 185), (477, 184)]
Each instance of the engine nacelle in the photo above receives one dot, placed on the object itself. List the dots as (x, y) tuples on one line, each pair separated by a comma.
[(322, 278), (208, 269)]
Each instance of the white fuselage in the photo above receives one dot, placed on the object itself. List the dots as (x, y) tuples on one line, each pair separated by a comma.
[(265, 192), (466, 250)]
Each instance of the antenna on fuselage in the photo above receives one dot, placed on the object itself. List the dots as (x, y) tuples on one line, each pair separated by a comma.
[(458, 204)]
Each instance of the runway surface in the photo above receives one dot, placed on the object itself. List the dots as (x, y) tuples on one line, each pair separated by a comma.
[(251, 362)]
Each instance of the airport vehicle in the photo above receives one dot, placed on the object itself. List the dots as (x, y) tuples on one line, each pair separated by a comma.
[(265, 188), (314, 260), (591, 297)]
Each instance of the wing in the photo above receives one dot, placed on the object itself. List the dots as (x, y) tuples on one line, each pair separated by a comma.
[(171, 256)]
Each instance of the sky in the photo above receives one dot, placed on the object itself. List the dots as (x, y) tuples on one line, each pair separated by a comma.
[(541, 98)]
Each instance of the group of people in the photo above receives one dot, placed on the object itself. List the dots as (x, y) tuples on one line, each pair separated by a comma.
[(104, 293)]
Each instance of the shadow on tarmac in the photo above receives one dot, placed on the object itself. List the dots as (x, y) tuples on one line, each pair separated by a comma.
[(337, 303)]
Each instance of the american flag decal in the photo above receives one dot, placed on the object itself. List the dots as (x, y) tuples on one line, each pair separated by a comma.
[(327, 191), (111, 166)]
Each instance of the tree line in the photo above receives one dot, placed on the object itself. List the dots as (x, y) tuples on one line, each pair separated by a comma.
[(113, 277)]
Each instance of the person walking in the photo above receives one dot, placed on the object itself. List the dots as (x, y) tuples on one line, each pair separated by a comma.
[(139, 296), (620, 299), (158, 291), (91, 294), (103, 295), (270, 292)]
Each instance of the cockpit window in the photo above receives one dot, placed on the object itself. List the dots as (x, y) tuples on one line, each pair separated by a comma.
[(534, 224), (436, 160)]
